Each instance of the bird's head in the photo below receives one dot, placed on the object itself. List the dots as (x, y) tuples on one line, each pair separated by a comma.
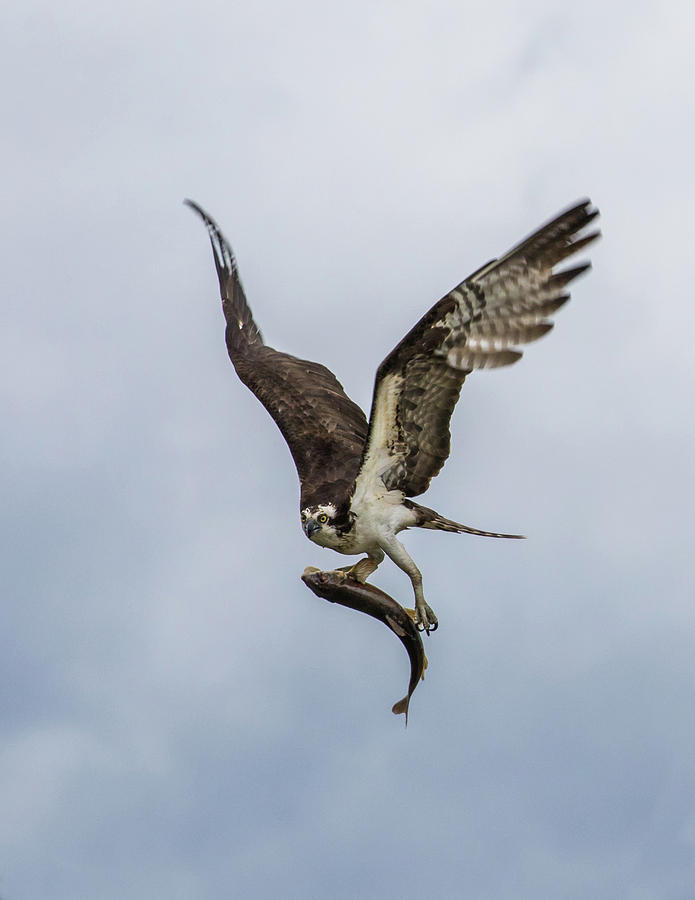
[(319, 523)]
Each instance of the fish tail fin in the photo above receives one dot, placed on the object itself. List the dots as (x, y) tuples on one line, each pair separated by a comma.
[(402, 707)]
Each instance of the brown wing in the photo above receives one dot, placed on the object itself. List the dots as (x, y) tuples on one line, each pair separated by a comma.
[(324, 429), (479, 324)]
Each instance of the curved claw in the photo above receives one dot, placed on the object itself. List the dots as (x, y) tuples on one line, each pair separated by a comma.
[(425, 619)]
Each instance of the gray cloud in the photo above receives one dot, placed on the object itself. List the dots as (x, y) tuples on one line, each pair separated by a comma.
[(181, 717)]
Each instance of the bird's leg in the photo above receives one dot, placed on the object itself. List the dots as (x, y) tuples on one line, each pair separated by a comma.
[(365, 567), (424, 618)]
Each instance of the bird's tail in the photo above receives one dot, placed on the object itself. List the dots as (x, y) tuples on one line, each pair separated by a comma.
[(428, 518)]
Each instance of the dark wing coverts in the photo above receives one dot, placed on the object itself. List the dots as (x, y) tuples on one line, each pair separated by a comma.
[(476, 325), (324, 429)]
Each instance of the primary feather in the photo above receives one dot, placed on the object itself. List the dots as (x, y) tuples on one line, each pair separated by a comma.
[(356, 477), (324, 429), (479, 324)]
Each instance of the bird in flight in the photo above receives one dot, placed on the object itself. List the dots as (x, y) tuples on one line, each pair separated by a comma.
[(357, 477)]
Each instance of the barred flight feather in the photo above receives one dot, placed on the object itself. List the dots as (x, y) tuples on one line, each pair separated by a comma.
[(479, 324)]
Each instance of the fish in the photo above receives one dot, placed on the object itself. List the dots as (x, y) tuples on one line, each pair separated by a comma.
[(337, 586)]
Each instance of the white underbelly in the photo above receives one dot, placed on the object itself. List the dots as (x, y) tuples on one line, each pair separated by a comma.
[(378, 519)]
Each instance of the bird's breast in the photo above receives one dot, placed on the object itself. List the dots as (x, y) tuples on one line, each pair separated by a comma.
[(379, 517)]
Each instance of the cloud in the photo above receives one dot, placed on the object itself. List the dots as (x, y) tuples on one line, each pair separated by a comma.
[(181, 716)]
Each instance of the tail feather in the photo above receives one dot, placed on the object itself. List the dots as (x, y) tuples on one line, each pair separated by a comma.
[(428, 518)]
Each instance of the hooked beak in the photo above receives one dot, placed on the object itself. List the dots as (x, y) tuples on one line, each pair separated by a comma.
[(312, 527)]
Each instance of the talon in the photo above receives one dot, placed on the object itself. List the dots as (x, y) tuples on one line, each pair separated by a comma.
[(425, 619)]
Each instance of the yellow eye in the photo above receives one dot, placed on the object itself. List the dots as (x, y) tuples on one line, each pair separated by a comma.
[(323, 518), (303, 518)]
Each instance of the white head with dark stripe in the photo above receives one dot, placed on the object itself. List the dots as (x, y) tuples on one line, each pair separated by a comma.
[(320, 524)]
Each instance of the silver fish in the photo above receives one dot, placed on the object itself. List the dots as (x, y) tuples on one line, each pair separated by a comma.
[(337, 586)]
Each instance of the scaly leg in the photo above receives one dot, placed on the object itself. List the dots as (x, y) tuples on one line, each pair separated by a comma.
[(425, 618)]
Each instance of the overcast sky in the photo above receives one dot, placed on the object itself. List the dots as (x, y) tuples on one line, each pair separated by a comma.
[(180, 716)]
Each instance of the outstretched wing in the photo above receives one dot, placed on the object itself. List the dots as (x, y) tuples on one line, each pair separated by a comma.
[(479, 324), (324, 429)]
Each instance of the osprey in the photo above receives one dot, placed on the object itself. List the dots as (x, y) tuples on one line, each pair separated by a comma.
[(357, 477)]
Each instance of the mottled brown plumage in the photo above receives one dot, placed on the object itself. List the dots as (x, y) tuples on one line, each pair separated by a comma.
[(355, 477), (478, 324), (324, 429)]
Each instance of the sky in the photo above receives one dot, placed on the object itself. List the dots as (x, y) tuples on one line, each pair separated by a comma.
[(179, 716)]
